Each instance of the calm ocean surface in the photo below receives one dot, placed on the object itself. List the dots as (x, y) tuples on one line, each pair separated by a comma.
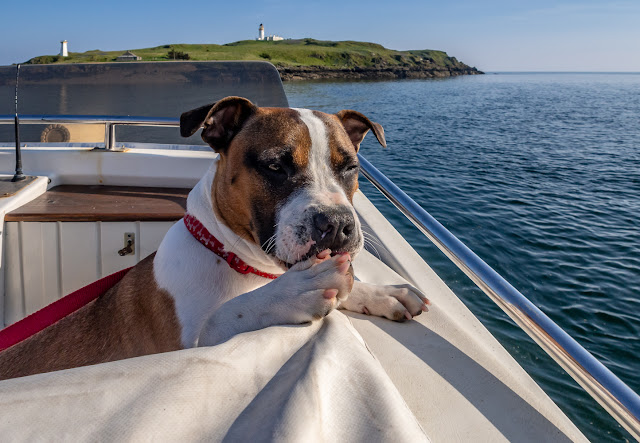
[(539, 174)]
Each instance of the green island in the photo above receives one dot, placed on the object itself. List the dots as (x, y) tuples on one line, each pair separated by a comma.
[(298, 59)]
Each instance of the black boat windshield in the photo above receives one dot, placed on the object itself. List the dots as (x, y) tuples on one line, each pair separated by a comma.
[(145, 89)]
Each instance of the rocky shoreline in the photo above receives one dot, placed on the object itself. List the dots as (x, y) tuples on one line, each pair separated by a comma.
[(293, 73)]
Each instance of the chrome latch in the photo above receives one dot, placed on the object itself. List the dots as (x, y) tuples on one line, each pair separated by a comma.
[(129, 244)]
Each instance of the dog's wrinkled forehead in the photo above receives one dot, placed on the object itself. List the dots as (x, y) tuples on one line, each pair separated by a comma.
[(273, 133), (330, 144), (309, 140)]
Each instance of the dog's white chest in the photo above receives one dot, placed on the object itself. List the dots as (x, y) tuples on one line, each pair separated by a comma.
[(198, 280)]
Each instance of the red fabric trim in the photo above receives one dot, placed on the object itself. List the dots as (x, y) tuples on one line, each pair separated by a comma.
[(50, 314), (201, 234)]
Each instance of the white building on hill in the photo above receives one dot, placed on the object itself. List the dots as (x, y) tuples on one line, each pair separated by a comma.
[(63, 49), (272, 38)]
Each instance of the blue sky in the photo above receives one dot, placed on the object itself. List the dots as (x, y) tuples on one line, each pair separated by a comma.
[(513, 35)]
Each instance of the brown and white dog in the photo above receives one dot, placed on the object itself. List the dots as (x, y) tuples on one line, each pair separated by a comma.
[(280, 198)]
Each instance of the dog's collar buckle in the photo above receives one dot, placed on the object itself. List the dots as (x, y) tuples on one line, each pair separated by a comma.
[(234, 261), (200, 233)]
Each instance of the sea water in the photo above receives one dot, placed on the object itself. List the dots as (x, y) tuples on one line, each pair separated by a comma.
[(539, 174)]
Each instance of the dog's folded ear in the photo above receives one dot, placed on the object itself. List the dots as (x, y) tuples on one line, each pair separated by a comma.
[(191, 121), (221, 120), (357, 125)]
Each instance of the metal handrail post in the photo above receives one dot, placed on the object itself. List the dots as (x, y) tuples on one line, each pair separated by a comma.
[(605, 387), (110, 139)]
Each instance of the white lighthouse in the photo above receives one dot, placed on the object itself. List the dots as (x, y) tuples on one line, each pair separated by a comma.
[(63, 49), (270, 38)]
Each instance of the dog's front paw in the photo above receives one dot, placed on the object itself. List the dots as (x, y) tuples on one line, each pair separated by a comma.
[(395, 302), (308, 291), (316, 286)]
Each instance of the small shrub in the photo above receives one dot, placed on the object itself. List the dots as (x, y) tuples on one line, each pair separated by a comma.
[(265, 56), (177, 55)]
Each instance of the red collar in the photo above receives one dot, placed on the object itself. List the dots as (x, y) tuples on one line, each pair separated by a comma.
[(201, 234)]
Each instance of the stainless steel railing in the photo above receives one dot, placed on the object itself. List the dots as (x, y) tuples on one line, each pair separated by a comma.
[(605, 387)]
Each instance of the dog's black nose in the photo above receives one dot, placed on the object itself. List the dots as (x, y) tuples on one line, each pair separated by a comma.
[(333, 228)]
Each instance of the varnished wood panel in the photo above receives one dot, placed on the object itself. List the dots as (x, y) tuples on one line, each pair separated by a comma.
[(104, 203)]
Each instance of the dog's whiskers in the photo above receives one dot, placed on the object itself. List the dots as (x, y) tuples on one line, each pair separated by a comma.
[(270, 247), (373, 239), (368, 242), (269, 243)]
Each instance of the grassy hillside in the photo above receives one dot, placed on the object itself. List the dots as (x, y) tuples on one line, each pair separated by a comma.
[(286, 53)]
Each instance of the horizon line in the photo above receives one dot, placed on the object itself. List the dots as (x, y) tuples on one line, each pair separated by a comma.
[(557, 72)]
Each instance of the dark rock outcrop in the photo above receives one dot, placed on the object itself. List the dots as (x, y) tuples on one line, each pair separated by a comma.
[(373, 73)]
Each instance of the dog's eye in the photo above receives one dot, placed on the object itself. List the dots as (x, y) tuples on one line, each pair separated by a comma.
[(276, 171), (351, 168)]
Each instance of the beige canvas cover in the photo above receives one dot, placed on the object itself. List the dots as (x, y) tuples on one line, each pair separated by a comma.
[(315, 382)]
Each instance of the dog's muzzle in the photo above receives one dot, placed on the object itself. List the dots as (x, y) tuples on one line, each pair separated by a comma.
[(334, 228)]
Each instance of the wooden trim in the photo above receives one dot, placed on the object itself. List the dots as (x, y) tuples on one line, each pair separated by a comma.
[(103, 203)]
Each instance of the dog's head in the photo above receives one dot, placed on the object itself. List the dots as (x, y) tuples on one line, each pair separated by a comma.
[(286, 177)]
